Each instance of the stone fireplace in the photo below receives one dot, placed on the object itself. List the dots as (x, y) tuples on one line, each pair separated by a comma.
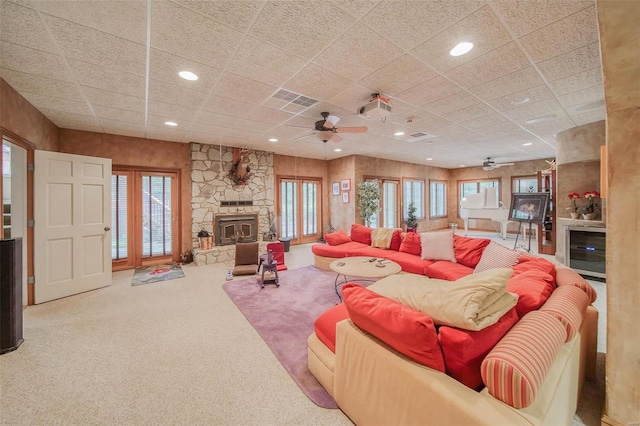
[(235, 228)]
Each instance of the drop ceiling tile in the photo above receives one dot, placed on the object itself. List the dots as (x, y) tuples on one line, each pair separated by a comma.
[(481, 28), (562, 36), (112, 99), (409, 23), (163, 92), (499, 62), (270, 116), (165, 134), (469, 113), (589, 117), (261, 61), (215, 119), (32, 61), (563, 122), (236, 14), (316, 82), (398, 75), (510, 83), (227, 106), (580, 81), (351, 55), (206, 138), (170, 112), (534, 94), (57, 104), (243, 89), (355, 8), (429, 91), (533, 110), (116, 129), (451, 103), (165, 66), (523, 17), (350, 99), (570, 63), (95, 47), (22, 26), (304, 28), (34, 84), (501, 129), (589, 95), (487, 120), (206, 41), (125, 19), (71, 120), (98, 77), (118, 114)]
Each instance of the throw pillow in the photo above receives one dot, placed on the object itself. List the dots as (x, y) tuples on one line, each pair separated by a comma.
[(469, 250), (381, 237), (396, 240), (407, 331), (533, 288), (496, 256), (411, 244), (438, 245), (361, 234), (337, 238)]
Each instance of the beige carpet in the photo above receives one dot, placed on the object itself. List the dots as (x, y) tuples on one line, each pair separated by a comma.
[(175, 352)]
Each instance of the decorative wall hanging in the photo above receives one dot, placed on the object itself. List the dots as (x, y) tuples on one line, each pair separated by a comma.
[(240, 172)]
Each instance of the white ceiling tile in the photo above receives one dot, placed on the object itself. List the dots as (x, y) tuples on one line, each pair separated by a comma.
[(410, 23), (215, 119), (351, 55), (350, 99), (269, 115), (510, 102), (589, 95), (71, 120), (562, 36), (429, 91), (357, 9), (481, 28), (154, 120), (170, 112), (317, 82), (589, 117), (469, 113), (261, 61), (304, 28), (486, 120), (236, 14), (398, 75), (164, 133), (112, 99), (523, 17), (243, 89), (183, 32), (505, 128), (95, 47), (32, 61), (107, 79), (580, 81), (165, 66), (35, 84), (510, 83), (163, 92), (570, 63), (451, 103), (118, 114), (227, 106), (490, 66), (22, 26), (125, 19), (58, 104), (532, 110)]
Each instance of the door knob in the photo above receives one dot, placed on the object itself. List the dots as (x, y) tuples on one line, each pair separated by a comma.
[(107, 228)]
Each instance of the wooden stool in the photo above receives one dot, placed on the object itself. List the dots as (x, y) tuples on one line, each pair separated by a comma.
[(271, 268)]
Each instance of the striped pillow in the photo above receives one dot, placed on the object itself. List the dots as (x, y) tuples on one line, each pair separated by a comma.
[(567, 276), (516, 367), (568, 304), (496, 256)]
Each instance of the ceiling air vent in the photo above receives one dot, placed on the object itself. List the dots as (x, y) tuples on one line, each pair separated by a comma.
[(416, 137), (291, 101)]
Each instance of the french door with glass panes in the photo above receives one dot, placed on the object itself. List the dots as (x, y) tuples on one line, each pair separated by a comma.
[(299, 209), (389, 214), (144, 218)]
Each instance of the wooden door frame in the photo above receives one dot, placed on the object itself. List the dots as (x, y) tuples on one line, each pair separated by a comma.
[(300, 239), (381, 180), (129, 262), (30, 148)]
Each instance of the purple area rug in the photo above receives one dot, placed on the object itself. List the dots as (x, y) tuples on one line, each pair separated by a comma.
[(284, 318)]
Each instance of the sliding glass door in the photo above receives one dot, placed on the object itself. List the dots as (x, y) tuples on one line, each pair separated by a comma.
[(299, 209)]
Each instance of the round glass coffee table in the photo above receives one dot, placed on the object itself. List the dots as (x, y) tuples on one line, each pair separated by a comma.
[(362, 267)]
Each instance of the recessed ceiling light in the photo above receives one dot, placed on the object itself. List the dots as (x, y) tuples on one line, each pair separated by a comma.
[(188, 75), (461, 48), (399, 133), (527, 144), (273, 140), (171, 123), (541, 119), (462, 165), (520, 101), (337, 150), (429, 159)]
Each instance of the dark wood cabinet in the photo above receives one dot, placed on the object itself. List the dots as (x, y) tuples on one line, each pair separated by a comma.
[(547, 234)]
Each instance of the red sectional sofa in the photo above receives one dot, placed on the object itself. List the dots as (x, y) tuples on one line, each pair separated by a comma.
[(386, 362)]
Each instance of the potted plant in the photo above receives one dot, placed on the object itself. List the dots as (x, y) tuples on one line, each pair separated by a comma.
[(573, 211), (368, 200), (206, 241), (589, 211), (411, 221)]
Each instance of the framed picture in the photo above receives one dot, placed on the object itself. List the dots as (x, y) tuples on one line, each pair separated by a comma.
[(527, 207), (335, 188), (345, 184), (345, 197)]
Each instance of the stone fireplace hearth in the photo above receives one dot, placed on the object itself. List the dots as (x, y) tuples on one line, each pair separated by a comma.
[(235, 228)]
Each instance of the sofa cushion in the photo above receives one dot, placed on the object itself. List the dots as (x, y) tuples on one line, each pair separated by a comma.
[(568, 304), (464, 350), (381, 237), (361, 234), (566, 276), (444, 270), (410, 262), (533, 288), (411, 244), (325, 325), (527, 263), (396, 240), (370, 252), (437, 245), (337, 238), (335, 251), (516, 367), (409, 332), (468, 251), (496, 256)]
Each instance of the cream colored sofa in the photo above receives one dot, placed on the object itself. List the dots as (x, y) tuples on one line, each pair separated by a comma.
[(374, 384)]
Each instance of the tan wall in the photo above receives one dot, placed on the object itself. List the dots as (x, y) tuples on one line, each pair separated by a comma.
[(18, 116), (138, 152), (618, 22), (342, 215)]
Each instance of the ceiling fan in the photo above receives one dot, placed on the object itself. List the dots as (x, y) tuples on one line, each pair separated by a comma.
[(489, 164), (326, 129)]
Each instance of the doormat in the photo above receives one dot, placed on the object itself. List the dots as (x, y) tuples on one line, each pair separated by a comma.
[(155, 273)]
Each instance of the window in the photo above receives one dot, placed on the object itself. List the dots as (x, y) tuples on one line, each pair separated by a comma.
[(437, 199), (299, 203), (413, 192), (468, 187), (524, 184), (387, 216)]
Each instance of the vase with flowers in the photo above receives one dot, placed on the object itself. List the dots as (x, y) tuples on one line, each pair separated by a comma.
[(589, 211), (573, 211)]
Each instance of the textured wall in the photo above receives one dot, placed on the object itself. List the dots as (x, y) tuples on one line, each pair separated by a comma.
[(342, 215), (619, 36)]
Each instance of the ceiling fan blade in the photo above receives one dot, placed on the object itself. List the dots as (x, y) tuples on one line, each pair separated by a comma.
[(361, 129), (331, 121), (503, 164), (291, 125), (325, 135), (336, 138), (304, 136)]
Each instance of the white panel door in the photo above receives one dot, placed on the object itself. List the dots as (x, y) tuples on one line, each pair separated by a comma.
[(72, 209)]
